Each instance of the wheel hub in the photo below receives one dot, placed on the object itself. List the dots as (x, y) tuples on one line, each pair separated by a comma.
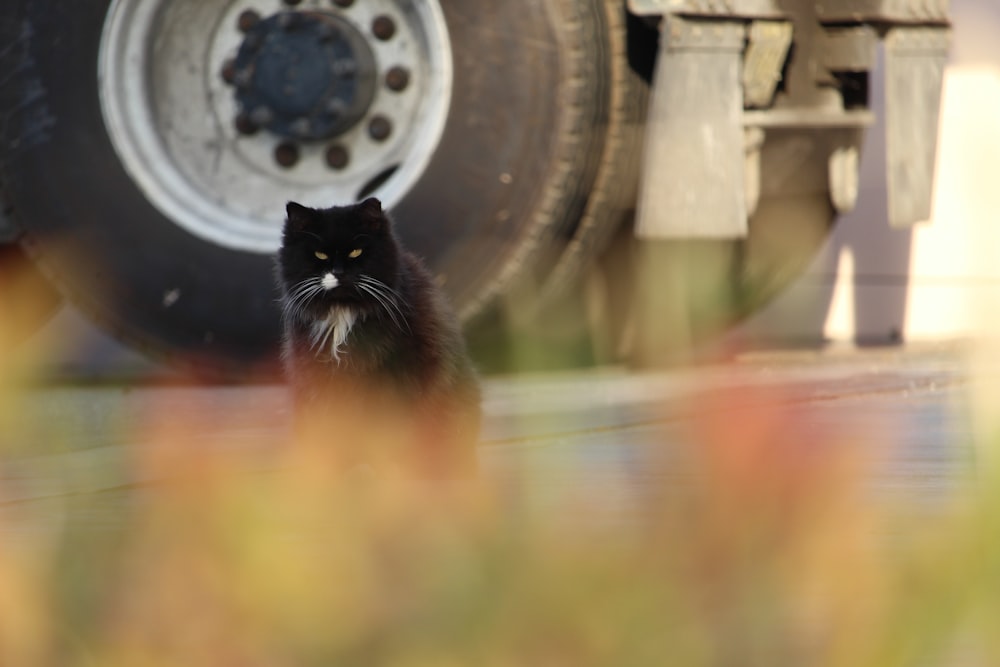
[(303, 75), (177, 108)]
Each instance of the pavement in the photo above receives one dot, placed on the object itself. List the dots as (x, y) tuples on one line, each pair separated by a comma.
[(904, 413)]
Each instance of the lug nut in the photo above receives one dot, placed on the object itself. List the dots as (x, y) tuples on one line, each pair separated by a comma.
[(397, 78), (247, 19), (242, 77), (229, 71), (383, 27), (286, 154), (379, 128), (287, 20), (244, 125), (337, 157)]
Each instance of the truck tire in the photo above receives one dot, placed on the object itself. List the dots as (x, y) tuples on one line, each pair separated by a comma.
[(556, 314), (153, 198)]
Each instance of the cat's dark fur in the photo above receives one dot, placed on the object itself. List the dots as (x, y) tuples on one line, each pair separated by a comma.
[(372, 351)]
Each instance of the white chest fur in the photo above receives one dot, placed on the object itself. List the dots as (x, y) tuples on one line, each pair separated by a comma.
[(330, 334)]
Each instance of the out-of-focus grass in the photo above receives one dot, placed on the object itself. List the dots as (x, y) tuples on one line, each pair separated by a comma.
[(771, 553)]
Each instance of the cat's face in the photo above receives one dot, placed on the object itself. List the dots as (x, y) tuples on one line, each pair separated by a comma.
[(332, 256)]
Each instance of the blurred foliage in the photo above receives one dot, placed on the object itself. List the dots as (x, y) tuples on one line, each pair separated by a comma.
[(771, 551)]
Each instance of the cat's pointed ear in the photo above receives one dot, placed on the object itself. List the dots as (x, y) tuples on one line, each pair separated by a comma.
[(299, 216), (371, 206), (372, 214)]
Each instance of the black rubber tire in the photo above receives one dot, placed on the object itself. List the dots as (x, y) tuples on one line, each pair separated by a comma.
[(632, 45), (511, 175), (547, 320)]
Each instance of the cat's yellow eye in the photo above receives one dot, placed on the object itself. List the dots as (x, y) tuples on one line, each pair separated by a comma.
[(321, 255), (354, 253)]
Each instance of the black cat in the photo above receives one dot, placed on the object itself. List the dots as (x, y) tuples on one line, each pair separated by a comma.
[(372, 351)]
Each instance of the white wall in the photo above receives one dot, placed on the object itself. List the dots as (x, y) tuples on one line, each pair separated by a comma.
[(940, 280)]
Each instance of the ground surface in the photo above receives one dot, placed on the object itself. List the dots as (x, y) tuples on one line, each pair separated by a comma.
[(787, 508), (607, 432)]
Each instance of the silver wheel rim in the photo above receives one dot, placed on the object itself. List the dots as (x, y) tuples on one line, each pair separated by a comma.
[(169, 115)]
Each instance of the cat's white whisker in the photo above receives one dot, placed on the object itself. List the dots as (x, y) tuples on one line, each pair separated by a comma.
[(388, 299), (296, 299), (299, 289), (382, 302), (301, 294), (320, 333)]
